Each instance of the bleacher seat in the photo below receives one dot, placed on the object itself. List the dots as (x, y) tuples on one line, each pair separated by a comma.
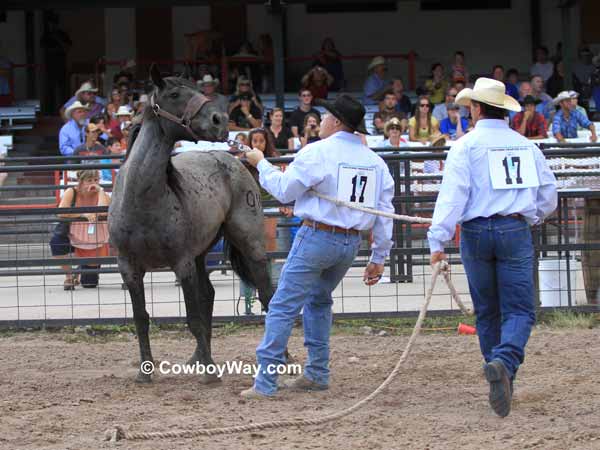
[(17, 118)]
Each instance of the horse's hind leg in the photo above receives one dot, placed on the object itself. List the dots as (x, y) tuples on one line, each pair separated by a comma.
[(197, 309), (133, 277)]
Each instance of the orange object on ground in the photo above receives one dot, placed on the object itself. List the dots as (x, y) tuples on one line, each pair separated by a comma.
[(466, 329)]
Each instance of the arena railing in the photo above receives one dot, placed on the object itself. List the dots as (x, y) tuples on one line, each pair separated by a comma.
[(32, 290)]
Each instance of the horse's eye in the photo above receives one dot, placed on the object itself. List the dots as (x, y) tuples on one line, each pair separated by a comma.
[(174, 94)]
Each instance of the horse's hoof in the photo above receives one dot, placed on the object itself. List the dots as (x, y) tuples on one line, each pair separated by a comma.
[(209, 379), (143, 378)]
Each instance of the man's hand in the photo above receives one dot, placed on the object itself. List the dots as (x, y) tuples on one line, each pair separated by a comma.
[(437, 257), (254, 156), (527, 115), (593, 137), (373, 273)]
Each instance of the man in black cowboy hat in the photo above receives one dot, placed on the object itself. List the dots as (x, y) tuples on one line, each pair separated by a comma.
[(339, 166), (529, 122)]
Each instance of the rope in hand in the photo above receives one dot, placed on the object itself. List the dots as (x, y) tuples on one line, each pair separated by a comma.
[(118, 432)]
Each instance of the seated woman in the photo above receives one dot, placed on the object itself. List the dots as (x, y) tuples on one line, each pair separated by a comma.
[(87, 238), (392, 131), (246, 115), (423, 127), (244, 87), (282, 135), (317, 80), (311, 130), (437, 85)]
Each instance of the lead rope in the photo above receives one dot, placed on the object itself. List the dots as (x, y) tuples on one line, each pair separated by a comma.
[(118, 432)]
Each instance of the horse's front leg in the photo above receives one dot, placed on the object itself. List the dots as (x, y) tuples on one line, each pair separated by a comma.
[(133, 277), (198, 317)]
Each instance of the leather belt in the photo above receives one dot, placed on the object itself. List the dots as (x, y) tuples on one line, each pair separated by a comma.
[(512, 216), (329, 228)]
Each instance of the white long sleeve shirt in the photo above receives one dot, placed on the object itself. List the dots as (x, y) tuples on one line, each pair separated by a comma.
[(341, 167), (468, 190)]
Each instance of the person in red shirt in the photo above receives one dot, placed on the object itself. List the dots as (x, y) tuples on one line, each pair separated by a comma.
[(529, 122)]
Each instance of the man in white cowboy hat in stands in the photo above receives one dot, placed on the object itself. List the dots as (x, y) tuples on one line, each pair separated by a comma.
[(123, 115), (496, 184), (208, 86), (87, 94), (72, 134), (566, 121), (375, 83), (340, 166)]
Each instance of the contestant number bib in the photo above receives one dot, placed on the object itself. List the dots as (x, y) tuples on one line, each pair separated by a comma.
[(512, 168), (357, 185)]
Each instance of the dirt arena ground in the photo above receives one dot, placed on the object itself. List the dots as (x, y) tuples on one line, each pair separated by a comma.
[(61, 391)]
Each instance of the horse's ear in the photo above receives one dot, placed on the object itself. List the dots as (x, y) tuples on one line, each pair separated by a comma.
[(156, 77)]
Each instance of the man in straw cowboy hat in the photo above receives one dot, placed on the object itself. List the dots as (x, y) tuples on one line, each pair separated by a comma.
[(71, 134), (123, 114), (208, 86), (340, 166), (375, 82), (565, 122), (496, 184), (87, 94)]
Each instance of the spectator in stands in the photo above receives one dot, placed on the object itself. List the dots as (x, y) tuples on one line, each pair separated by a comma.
[(305, 106), (498, 74), (317, 80), (104, 132), (311, 130), (575, 103), (542, 66), (423, 127), (458, 69), (71, 134), (529, 122), (440, 112), (244, 86), (330, 59), (582, 69), (208, 86), (564, 125), (459, 85), (143, 101), (512, 83), (546, 107), (387, 110), (86, 95), (110, 117), (88, 238), (115, 98), (556, 83), (246, 115), (454, 126), (280, 133), (393, 131), (234, 149), (403, 104), (114, 149), (123, 115), (375, 82), (125, 129), (437, 85), (91, 146), (524, 90)]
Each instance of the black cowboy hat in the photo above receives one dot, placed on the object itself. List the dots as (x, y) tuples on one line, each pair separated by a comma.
[(348, 110), (530, 100)]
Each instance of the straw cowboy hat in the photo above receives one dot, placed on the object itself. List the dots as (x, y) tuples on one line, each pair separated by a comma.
[(75, 105), (123, 111), (573, 94), (86, 87), (377, 61), (92, 128), (488, 91), (348, 110), (394, 121), (208, 79), (564, 95)]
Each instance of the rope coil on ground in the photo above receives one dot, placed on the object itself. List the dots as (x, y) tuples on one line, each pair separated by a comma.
[(119, 433)]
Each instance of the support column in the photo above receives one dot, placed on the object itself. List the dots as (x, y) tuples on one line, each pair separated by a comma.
[(277, 12), (30, 53), (568, 56)]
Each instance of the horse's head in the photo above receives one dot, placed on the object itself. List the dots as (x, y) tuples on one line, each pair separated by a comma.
[(184, 112)]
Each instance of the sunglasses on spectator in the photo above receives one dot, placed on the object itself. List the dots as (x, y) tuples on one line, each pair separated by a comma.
[(424, 105), (452, 95), (306, 95), (395, 127)]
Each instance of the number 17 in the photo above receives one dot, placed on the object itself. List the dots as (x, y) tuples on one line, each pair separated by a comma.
[(514, 160)]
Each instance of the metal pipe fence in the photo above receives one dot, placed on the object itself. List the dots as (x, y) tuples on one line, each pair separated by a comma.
[(31, 279)]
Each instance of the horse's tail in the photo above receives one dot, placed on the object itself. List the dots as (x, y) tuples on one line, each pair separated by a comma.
[(239, 264)]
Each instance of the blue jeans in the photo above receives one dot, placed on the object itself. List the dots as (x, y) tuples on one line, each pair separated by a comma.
[(317, 262), (497, 254)]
